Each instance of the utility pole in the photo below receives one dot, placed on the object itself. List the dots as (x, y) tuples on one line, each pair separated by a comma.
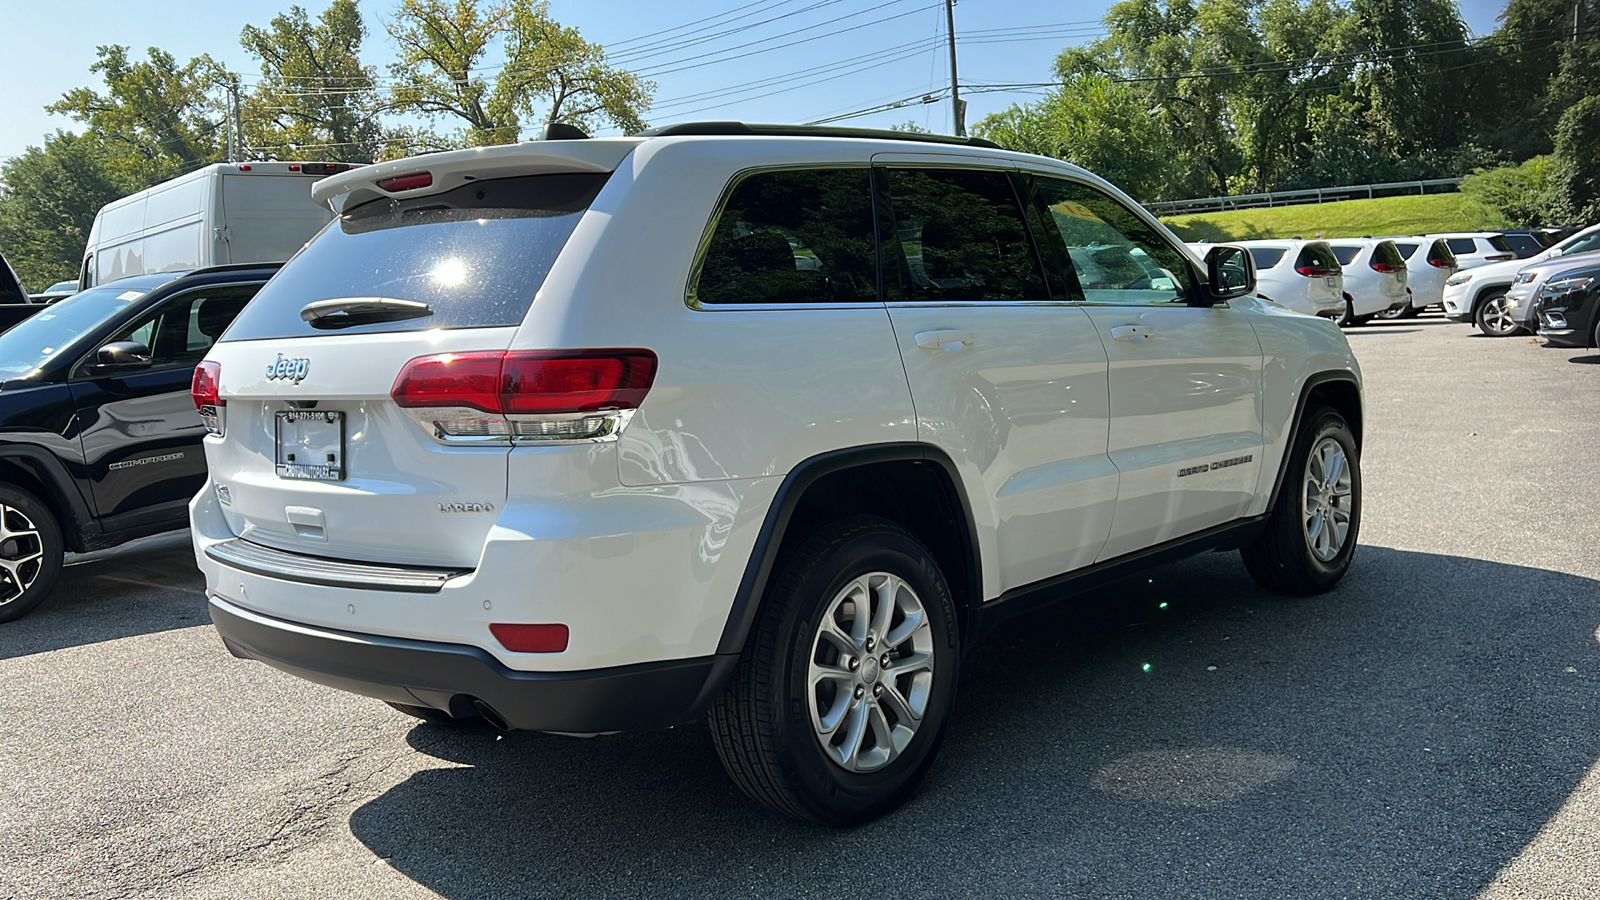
[(235, 120), (958, 109)]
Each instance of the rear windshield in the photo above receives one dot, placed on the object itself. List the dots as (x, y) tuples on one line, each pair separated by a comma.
[(1318, 256), (1386, 253), (1524, 245), (1267, 257), (476, 255), (1346, 255), (1439, 254)]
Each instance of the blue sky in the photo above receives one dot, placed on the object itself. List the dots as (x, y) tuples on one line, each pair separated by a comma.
[(877, 51)]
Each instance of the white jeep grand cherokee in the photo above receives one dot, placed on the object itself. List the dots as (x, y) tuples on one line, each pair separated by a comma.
[(762, 424)]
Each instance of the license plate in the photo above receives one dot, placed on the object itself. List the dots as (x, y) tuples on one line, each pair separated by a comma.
[(310, 444), (1332, 283)]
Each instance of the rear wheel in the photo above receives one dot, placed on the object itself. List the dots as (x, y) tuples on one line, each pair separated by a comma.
[(1310, 535), (841, 697), (1494, 316), (31, 551)]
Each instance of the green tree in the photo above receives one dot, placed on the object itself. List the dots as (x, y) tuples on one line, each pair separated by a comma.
[(48, 200), (159, 118), (1522, 195), (1101, 125), (1577, 148), (550, 73), (315, 100)]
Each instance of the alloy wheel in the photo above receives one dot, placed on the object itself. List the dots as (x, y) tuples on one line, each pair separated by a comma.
[(870, 674), (1497, 318), (21, 554), (1327, 500)]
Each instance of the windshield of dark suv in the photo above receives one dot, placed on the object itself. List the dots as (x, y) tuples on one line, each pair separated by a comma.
[(474, 255), (35, 341)]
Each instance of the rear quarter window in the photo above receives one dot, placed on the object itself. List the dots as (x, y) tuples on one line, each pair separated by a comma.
[(1267, 257), (1407, 250), (476, 255), (793, 237), (1346, 255), (1463, 246)]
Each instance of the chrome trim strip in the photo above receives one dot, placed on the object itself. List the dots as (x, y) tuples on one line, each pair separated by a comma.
[(297, 567)]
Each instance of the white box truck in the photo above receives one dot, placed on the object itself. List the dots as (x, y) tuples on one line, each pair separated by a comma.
[(224, 213)]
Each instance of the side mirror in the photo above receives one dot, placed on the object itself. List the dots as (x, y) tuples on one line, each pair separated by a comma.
[(122, 356), (1230, 272)]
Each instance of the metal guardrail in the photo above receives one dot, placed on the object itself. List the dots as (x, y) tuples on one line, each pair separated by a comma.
[(1308, 195)]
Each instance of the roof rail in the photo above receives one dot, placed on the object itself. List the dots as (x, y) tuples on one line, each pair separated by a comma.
[(683, 129)]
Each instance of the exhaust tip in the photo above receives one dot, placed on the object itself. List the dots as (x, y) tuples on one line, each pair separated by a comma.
[(495, 720)]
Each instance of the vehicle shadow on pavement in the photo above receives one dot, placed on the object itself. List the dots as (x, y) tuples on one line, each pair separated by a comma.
[(141, 587), (1177, 734), (1590, 360)]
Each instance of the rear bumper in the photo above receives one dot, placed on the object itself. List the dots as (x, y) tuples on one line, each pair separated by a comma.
[(450, 677)]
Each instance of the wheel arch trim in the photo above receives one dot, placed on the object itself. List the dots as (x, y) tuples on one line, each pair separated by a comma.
[(80, 522), (769, 540), (1311, 383)]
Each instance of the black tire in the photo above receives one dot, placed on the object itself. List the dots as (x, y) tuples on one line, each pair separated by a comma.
[(1488, 318), (762, 724), (434, 716), (1347, 318), (32, 534), (1281, 558)]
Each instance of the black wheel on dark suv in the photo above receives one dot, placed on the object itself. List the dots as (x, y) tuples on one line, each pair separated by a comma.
[(1310, 535), (31, 551), (844, 689)]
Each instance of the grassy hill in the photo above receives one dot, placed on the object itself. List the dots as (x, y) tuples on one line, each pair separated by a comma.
[(1345, 218)]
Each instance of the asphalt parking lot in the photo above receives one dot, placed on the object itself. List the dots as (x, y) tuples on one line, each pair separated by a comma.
[(1429, 729)]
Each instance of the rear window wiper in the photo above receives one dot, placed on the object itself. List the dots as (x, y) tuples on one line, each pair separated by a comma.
[(347, 312)]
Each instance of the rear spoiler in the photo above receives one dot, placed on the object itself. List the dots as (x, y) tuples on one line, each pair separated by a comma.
[(419, 176)]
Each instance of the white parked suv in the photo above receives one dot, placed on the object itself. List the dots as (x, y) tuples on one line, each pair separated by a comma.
[(1301, 275), (1477, 248), (767, 425), (1479, 295), (1375, 277), (1429, 264)]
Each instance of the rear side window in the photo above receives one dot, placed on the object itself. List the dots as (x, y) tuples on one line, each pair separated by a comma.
[(1524, 245), (1267, 257), (1318, 258), (1500, 243), (476, 255), (958, 237), (796, 236), (1465, 246), (1346, 254), (1407, 250)]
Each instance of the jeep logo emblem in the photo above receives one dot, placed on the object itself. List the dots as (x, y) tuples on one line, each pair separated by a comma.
[(291, 370)]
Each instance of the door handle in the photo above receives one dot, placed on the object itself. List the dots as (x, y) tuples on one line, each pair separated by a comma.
[(1133, 334), (948, 341)]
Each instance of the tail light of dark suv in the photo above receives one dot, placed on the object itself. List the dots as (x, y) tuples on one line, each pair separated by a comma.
[(203, 389), (501, 396)]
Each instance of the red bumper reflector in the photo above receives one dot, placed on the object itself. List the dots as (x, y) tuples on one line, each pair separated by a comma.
[(530, 638)]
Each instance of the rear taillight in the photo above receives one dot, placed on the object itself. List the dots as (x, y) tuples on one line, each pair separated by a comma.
[(529, 395), (204, 389), (1317, 271), (1500, 257), (1441, 263), (1386, 267)]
